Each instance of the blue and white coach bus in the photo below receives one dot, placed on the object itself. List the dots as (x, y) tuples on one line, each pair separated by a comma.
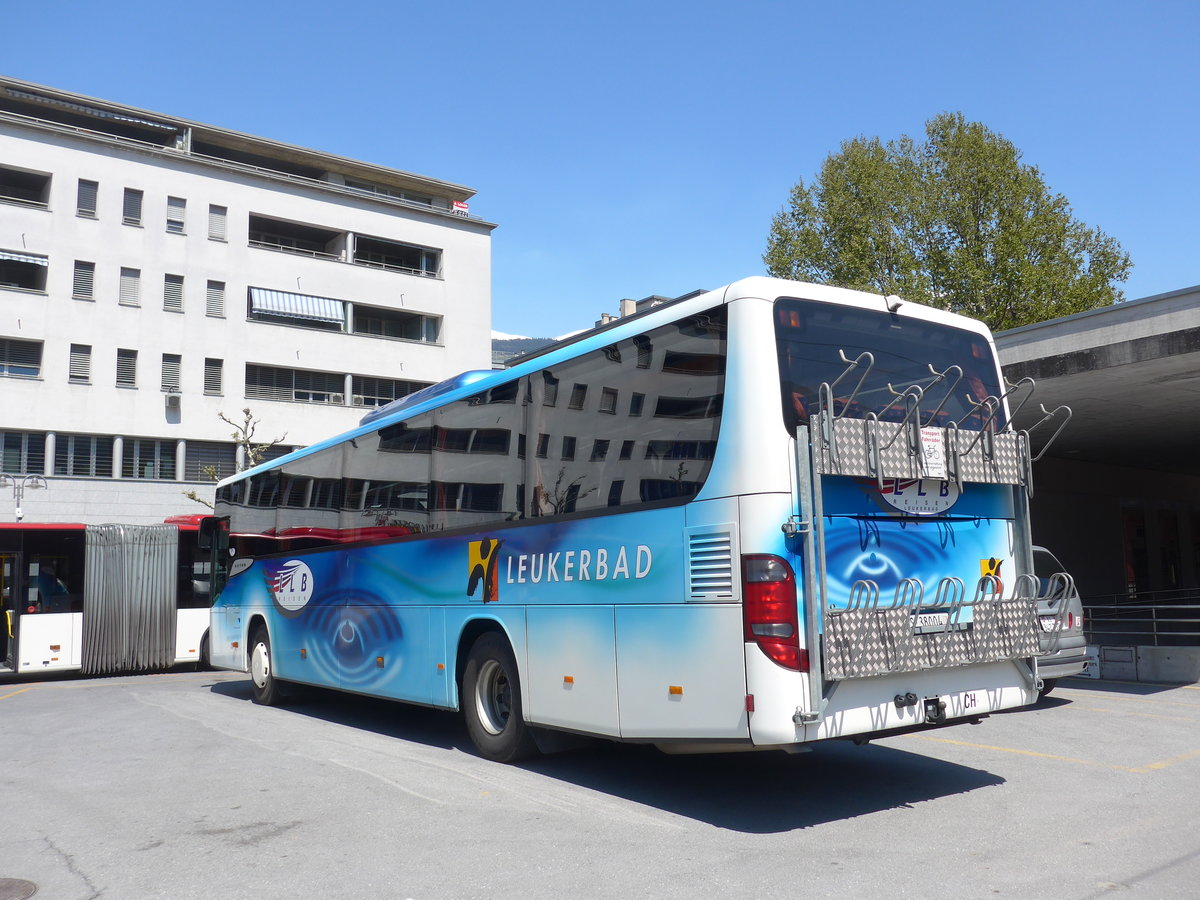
[(767, 515)]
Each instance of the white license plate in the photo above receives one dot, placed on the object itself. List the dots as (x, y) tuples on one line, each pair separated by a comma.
[(930, 622), (1050, 623)]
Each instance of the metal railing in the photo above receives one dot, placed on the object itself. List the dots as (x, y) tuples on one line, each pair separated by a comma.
[(1153, 618)]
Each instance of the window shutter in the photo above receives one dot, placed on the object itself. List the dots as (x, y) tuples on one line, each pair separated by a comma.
[(206, 459), (176, 207), (84, 282), (216, 223), (215, 301), (131, 286), (85, 202), (213, 371), (173, 293), (170, 371), (127, 367), (131, 209), (20, 357), (81, 363)]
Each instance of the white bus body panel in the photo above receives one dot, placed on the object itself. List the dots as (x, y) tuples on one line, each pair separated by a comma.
[(189, 629), (50, 642)]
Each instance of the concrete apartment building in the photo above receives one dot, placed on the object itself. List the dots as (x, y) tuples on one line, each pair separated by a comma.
[(156, 272)]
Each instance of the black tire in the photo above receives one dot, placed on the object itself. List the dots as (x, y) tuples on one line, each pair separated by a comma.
[(204, 662), (262, 671), (1047, 686), (491, 702)]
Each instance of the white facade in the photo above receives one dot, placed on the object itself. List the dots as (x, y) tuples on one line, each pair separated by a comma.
[(245, 274)]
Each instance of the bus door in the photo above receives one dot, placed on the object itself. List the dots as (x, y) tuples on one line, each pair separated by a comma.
[(10, 592)]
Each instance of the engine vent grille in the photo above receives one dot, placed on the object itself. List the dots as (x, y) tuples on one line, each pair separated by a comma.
[(711, 555)]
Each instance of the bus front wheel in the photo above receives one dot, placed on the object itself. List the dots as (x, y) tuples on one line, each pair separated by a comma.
[(492, 702), (262, 676)]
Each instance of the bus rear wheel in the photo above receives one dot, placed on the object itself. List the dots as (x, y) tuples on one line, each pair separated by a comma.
[(262, 676), (492, 702)]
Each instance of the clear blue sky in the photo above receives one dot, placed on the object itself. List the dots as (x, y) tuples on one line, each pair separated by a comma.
[(627, 149)]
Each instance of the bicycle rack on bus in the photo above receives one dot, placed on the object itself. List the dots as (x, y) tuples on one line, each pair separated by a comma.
[(870, 638)]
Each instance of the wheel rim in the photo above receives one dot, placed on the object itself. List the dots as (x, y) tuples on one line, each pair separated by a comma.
[(493, 697), (260, 665)]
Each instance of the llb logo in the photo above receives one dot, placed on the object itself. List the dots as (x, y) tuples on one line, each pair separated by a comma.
[(291, 585), (483, 559)]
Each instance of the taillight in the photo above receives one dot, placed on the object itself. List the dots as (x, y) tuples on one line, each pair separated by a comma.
[(769, 610)]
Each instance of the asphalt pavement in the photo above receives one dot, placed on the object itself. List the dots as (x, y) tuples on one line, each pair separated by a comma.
[(178, 786)]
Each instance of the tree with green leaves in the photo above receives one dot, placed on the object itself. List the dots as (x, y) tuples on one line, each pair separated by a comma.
[(957, 222)]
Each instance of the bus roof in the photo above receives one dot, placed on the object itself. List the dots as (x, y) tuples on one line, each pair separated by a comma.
[(473, 382)]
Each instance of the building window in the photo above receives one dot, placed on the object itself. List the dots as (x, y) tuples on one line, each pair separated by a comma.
[(636, 402), (599, 450), (578, 396), (214, 371), (20, 359), (85, 198), (23, 271), (209, 460), (409, 258), (83, 283), (23, 452), (614, 493), (214, 301), (80, 371), (381, 391), (272, 383), (127, 368), (568, 447), (392, 324), (22, 188), (131, 207), (148, 459), (608, 401), (627, 449), (176, 210), (543, 446), (83, 456), (550, 395), (131, 287), (216, 222), (173, 293), (171, 364)]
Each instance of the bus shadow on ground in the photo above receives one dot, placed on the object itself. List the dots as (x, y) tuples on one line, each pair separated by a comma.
[(755, 793)]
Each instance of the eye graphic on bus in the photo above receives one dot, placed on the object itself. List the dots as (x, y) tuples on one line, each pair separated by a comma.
[(870, 566), (482, 566)]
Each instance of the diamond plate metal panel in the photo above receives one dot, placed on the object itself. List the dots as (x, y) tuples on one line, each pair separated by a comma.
[(847, 451), (864, 642)]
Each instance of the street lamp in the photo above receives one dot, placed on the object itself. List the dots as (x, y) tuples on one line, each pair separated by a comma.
[(19, 484)]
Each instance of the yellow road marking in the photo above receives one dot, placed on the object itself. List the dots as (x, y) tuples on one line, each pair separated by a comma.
[(1124, 712), (1115, 698), (1136, 770), (1020, 752), (14, 693), (1162, 764)]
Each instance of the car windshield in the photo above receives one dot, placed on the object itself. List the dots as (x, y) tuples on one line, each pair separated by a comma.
[(809, 336)]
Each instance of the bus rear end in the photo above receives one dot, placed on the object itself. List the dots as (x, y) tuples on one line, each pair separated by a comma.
[(900, 596)]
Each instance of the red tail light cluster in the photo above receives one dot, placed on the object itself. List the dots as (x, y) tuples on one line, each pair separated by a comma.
[(769, 610)]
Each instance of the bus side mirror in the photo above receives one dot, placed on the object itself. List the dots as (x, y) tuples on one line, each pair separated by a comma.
[(214, 532)]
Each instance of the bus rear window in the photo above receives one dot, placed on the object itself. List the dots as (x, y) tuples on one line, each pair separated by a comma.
[(809, 336)]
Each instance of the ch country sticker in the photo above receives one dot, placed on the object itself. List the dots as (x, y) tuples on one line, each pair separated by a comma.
[(483, 559), (291, 585)]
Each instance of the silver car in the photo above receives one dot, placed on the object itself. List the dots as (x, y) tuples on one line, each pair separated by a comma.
[(1063, 646)]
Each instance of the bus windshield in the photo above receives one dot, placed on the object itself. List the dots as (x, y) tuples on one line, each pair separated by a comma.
[(810, 334)]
